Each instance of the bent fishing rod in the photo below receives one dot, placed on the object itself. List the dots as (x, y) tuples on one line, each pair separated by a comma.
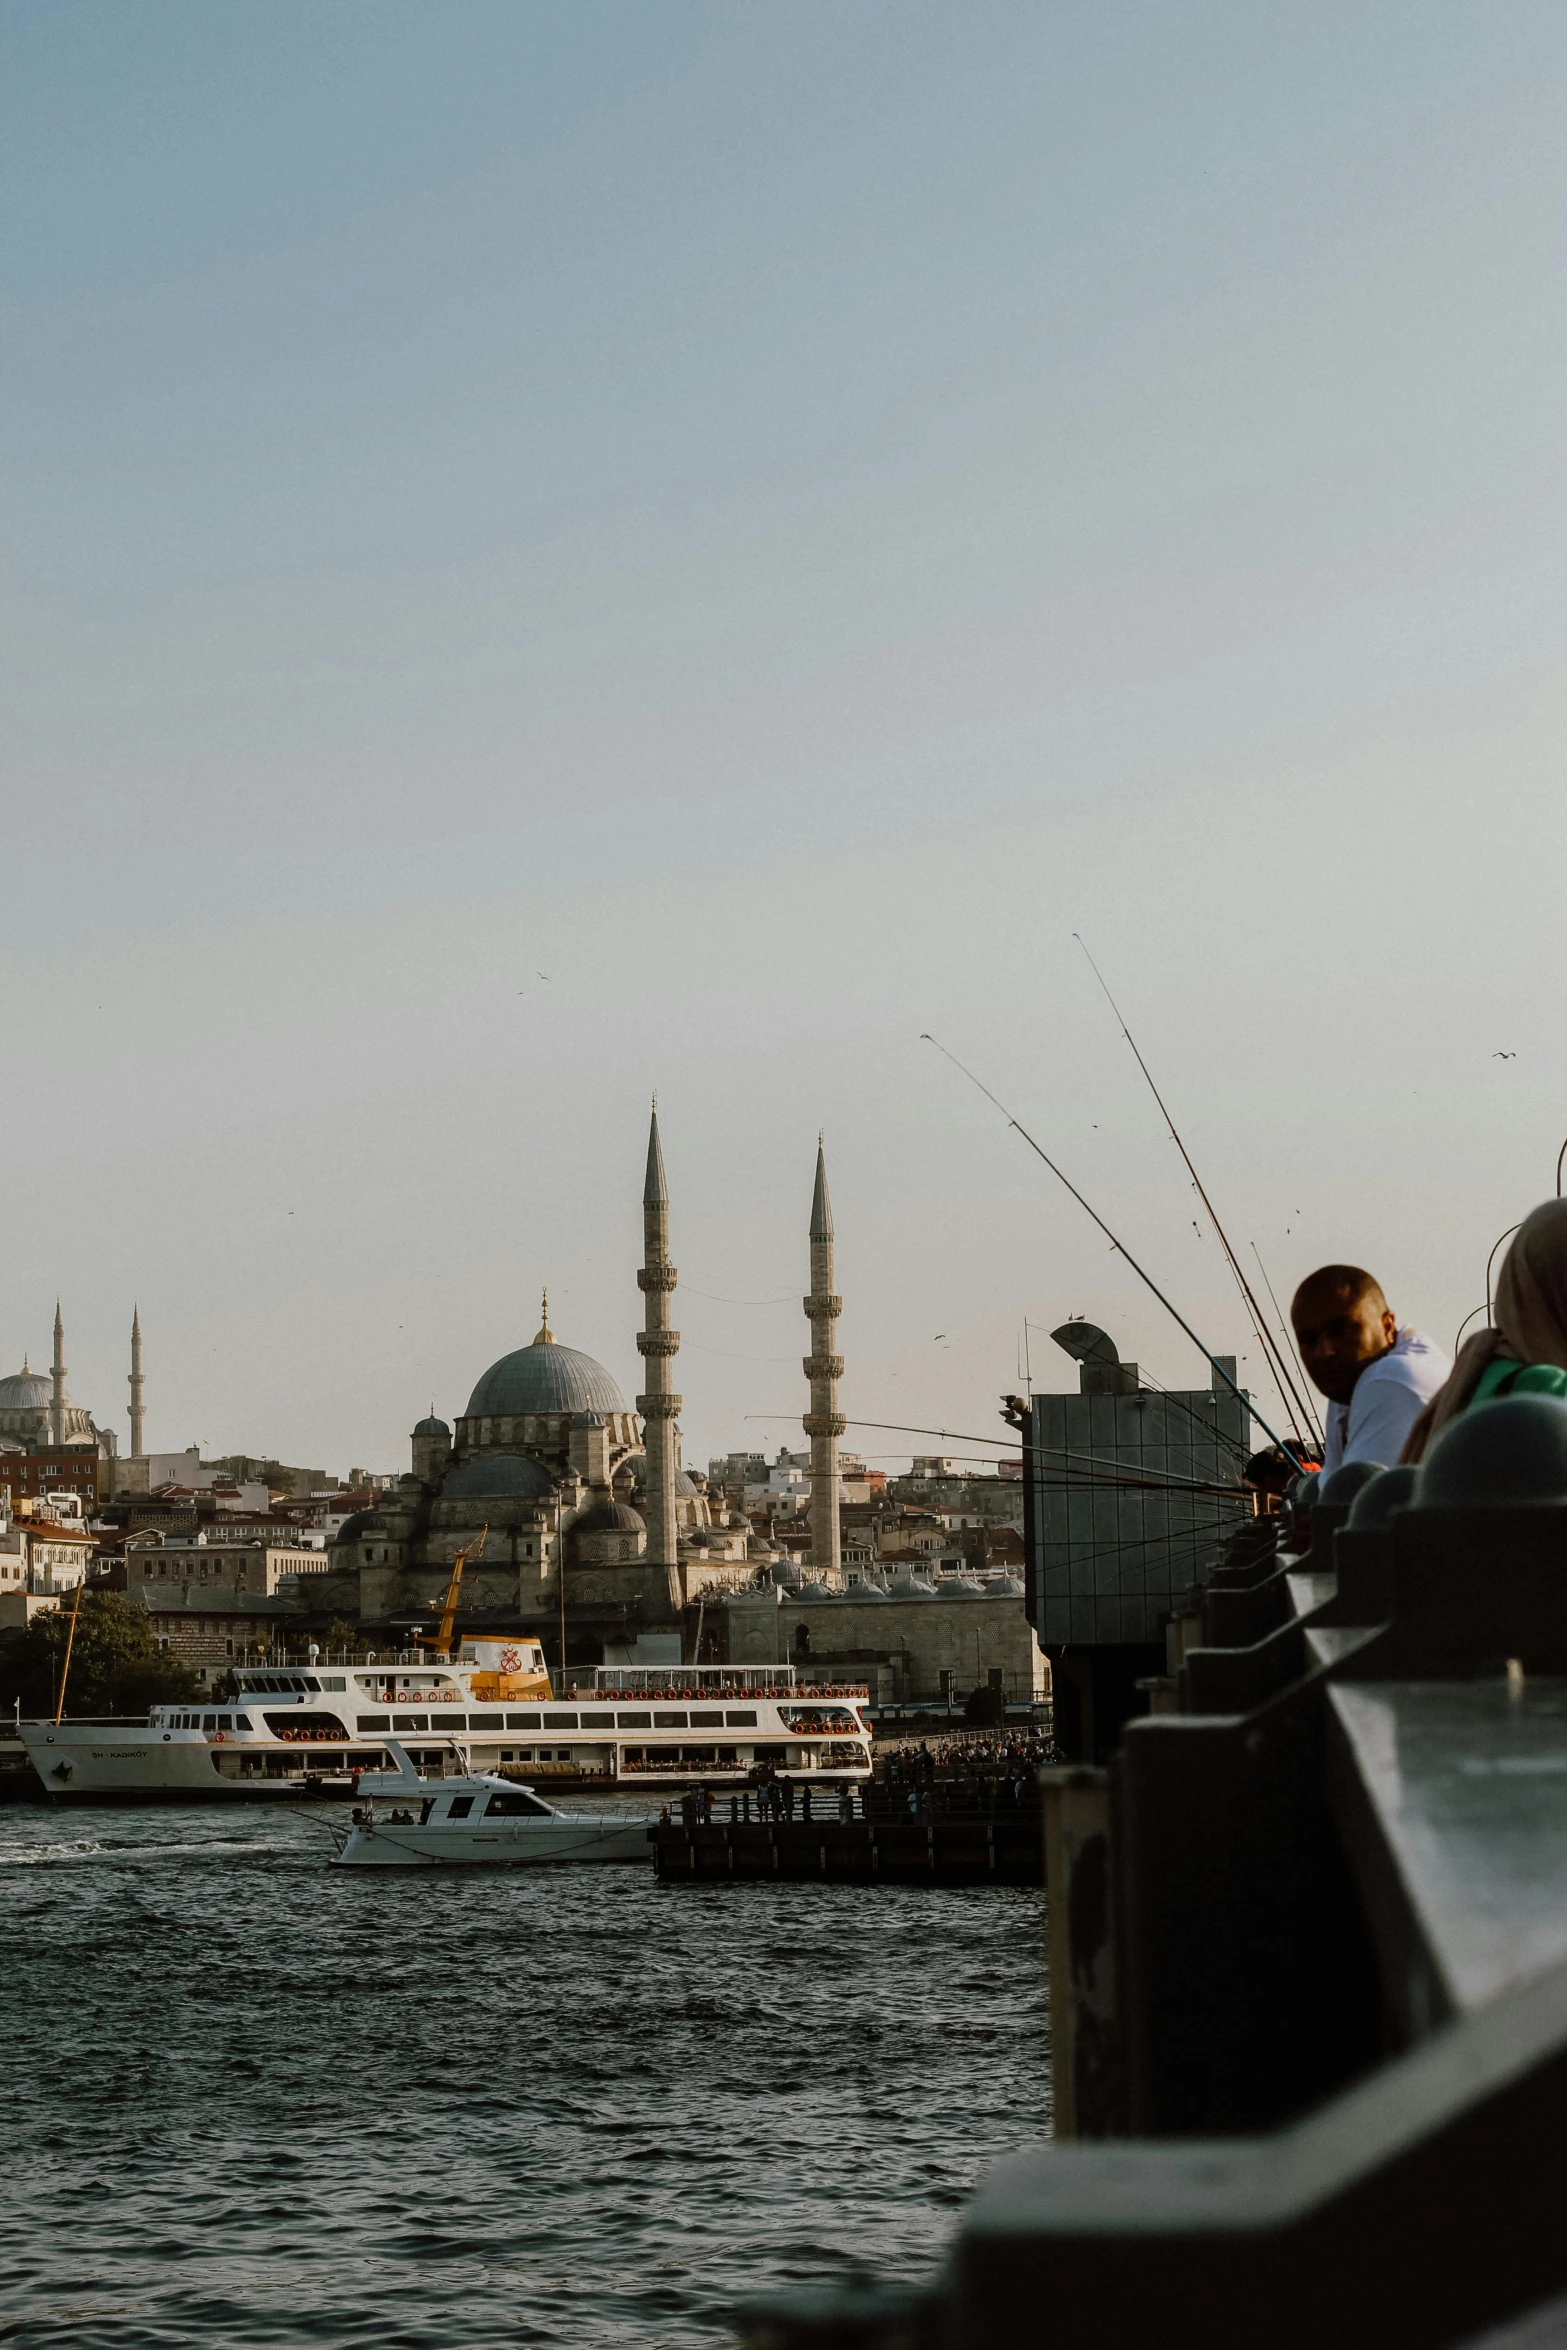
[(1278, 1369), (1119, 1246)]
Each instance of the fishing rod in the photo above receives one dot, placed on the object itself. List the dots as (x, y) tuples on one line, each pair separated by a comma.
[(1145, 1278), (1270, 1353), (1093, 1460), (1315, 1424)]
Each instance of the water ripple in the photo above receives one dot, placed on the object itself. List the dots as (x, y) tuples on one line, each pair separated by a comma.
[(255, 2103)]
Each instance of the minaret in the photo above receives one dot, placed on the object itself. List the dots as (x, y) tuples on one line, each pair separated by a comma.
[(658, 1345), (823, 1423), (57, 1401), (137, 1407)]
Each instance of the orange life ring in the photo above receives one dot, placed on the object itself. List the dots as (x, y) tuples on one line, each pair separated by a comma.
[(448, 1697), (219, 1737)]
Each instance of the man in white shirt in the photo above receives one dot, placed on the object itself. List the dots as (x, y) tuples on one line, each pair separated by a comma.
[(1377, 1377)]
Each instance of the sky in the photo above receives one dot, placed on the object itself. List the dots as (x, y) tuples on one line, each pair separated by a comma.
[(558, 551)]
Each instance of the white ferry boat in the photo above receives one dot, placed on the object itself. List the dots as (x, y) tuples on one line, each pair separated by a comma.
[(296, 1730), (476, 1820)]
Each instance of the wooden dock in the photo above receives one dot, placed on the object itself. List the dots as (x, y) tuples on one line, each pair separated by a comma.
[(1004, 1846)]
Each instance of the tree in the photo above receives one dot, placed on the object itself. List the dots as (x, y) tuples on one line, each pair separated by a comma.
[(117, 1666)]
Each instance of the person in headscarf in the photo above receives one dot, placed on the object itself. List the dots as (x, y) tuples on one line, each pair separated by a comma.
[(1525, 1350)]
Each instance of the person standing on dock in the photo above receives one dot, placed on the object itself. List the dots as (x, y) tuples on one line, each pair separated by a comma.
[(1377, 1375)]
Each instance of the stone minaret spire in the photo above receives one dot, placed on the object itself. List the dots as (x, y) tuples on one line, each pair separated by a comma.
[(57, 1399), (138, 1415), (823, 1423), (658, 1345)]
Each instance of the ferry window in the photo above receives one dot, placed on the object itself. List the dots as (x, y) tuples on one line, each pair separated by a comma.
[(670, 1721), (410, 1721), (333, 1681), (522, 1721), (457, 1721), (369, 1722), (209, 1721), (486, 1721), (309, 1681), (634, 1721), (663, 1754), (242, 1721), (560, 1721), (740, 1721), (459, 1807), (707, 1721), (516, 1806)]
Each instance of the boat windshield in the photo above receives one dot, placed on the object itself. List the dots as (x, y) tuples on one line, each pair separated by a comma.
[(516, 1804)]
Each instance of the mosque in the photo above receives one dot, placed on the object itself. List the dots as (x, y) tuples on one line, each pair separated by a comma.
[(591, 1529), (38, 1416)]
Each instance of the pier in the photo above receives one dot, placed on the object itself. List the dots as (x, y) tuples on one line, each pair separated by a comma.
[(1308, 1958), (964, 1844)]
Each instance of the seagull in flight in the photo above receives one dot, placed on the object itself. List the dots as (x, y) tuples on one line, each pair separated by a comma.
[(1504, 1056)]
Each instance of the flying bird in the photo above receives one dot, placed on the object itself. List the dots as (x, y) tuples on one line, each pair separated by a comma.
[(1504, 1056), (939, 1334)]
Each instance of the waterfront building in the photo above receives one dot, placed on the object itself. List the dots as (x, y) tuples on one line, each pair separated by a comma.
[(585, 1513), (916, 1639), (46, 1440), (1108, 1559)]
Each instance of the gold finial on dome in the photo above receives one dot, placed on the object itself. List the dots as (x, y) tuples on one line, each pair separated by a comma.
[(546, 1336)]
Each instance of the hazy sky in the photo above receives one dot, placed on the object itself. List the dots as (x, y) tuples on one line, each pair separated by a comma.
[(553, 550)]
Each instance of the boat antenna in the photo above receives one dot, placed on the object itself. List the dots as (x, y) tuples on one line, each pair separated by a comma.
[(1118, 1245), (1278, 1368)]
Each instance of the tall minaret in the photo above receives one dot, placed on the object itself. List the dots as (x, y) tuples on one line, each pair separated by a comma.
[(823, 1423), (137, 1408), (57, 1400), (658, 1345)]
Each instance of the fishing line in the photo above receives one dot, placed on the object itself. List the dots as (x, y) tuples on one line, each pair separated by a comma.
[(1277, 1367), (1146, 1278)]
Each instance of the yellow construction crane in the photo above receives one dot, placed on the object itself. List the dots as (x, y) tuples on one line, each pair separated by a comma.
[(441, 1641)]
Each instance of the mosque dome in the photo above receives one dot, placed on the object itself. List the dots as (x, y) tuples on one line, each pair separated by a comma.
[(608, 1517), (545, 1377), (432, 1427), (362, 1522), (496, 1476), (25, 1391)]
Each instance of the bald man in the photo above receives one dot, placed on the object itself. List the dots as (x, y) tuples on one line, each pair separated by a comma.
[(1378, 1376)]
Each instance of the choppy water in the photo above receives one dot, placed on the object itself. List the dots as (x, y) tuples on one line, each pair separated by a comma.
[(254, 2101)]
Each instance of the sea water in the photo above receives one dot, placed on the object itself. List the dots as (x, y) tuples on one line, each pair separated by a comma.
[(251, 2099)]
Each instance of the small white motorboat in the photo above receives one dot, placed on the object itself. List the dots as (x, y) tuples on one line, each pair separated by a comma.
[(475, 1819)]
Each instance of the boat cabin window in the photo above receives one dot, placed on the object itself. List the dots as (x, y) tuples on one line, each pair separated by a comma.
[(560, 1721), (522, 1721), (516, 1805), (459, 1807), (369, 1722), (209, 1721), (486, 1721), (305, 1728), (242, 1721), (634, 1721), (741, 1721), (707, 1721)]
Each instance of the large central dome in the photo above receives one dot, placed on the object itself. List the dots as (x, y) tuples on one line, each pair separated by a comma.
[(544, 1377), (25, 1391)]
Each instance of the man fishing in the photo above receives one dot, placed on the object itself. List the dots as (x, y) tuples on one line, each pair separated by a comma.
[(1378, 1377)]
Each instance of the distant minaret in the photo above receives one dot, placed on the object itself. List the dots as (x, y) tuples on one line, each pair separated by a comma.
[(823, 1423), (137, 1406), (57, 1400), (658, 1345)]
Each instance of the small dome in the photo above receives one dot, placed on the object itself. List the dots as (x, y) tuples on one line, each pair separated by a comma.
[(1507, 1452), (908, 1586), (962, 1587), (362, 1522), (1010, 1587), (786, 1571), (865, 1590), (607, 1517), (431, 1426), (25, 1391), (812, 1589), (544, 1377), (496, 1476)]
